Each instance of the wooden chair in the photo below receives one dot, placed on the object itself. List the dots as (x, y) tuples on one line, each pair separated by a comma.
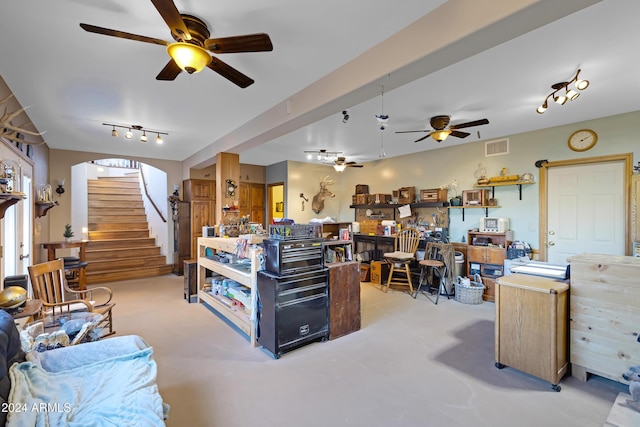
[(58, 300), (405, 246)]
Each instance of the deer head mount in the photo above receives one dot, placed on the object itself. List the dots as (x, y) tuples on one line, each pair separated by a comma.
[(317, 204), (11, 132)]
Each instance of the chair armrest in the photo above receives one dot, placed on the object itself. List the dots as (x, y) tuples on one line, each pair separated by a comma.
[(68, 305), (88, 294)]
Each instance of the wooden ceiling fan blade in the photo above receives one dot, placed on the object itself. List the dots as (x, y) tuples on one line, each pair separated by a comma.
[(459, 134), (169, 12), (169, 72), (411, 131), (259, 42), (470, 124), (424, 137), (122, 34), (354, 165), (230, 73)]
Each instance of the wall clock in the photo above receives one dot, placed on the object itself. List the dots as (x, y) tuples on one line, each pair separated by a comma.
[(582, 140)]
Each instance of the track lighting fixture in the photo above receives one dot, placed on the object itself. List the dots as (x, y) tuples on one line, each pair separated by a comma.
[(129, 133), (323, 155), (569, 94), (345, 116)]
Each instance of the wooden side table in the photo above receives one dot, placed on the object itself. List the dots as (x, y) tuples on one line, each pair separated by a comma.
[(30, 312)]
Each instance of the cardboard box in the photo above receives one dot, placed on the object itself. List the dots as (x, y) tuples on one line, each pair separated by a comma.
[(379, 272)]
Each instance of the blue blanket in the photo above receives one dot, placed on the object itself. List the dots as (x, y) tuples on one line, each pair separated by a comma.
[(119, 391)]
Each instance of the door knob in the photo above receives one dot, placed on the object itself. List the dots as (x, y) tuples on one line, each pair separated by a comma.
[(551, 232), (552, 243)]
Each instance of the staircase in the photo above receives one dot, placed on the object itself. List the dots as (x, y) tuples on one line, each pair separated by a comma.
[(120, 247)]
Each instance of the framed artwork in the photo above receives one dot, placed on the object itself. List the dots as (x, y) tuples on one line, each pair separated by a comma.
[(344, 234), (279, 206)]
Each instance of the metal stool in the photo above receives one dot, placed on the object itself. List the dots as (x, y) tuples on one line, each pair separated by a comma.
[(436, 266)]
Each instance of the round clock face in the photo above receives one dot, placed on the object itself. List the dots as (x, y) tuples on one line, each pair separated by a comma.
[(582, 140)]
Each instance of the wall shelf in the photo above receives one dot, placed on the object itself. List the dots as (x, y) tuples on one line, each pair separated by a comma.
[(9, 199), (486, 209), (504, 184), (43, 207)]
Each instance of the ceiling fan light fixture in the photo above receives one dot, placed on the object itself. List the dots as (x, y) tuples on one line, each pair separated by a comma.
[(189, 57), (440, 135), (340, 168)]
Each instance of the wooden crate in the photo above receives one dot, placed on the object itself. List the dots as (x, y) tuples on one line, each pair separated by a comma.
[(379, 272), (433, 195), (362, 189), (365, 271), (406, 194), (604, 315), (359, 199), (369, 226), (378, 198)]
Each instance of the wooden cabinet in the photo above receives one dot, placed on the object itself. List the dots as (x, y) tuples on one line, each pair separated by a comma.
[(200, 195), (531, 326), (604, 317), (635, 208), (244, 272), (344, 298), (251, 201), (488, 261), (181, 236)]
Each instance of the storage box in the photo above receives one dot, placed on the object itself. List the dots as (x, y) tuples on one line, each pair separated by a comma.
[(369, 226), (362, 189), (359, 199), (379, 198), (364, 273), (475, 198), (406, 194), (433, 195), (379, 272)]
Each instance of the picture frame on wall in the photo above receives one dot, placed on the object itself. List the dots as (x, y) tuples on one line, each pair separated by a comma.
[(279, 206)]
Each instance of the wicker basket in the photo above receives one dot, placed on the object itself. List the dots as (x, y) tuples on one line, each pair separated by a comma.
[(471, 293)]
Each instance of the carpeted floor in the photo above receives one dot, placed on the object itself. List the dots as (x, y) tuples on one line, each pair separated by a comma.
[(412, 364)]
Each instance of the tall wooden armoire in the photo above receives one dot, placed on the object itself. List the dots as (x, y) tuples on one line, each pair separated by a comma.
[(181, 236), (201, 197)]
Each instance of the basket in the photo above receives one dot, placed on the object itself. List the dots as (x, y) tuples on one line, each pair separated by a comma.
[(295, 231), (472, 293)]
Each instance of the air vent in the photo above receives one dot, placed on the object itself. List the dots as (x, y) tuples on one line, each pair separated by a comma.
[(496, 148)]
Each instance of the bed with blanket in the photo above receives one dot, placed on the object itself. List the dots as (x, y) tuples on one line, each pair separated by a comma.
[(107, 382)]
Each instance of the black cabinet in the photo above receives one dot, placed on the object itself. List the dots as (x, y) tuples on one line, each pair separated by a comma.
[(292, 310)]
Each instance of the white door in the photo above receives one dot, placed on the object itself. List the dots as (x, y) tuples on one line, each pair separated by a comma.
[(17, 223), (586, 210)]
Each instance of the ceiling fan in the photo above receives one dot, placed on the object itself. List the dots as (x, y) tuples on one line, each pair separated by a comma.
[(189, 51), (341, 164), (440, 131)]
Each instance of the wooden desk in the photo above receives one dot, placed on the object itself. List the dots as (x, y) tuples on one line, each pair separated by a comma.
[(79, 280), (52, 247)]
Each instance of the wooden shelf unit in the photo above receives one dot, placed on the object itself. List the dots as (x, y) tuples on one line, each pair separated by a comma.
[(504, 184), (247, 277), (43, 207), (484, 256)]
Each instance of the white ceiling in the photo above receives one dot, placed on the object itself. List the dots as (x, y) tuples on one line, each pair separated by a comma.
[(328, 56)]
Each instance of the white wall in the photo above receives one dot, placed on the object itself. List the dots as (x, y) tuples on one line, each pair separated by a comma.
[(431, 169)]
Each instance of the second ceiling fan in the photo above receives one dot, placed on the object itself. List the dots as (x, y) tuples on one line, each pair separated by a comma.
[(440, 131)]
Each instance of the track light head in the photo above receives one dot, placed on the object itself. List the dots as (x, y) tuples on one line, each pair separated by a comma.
[(128, 135), (345, 116), (143, 137)]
